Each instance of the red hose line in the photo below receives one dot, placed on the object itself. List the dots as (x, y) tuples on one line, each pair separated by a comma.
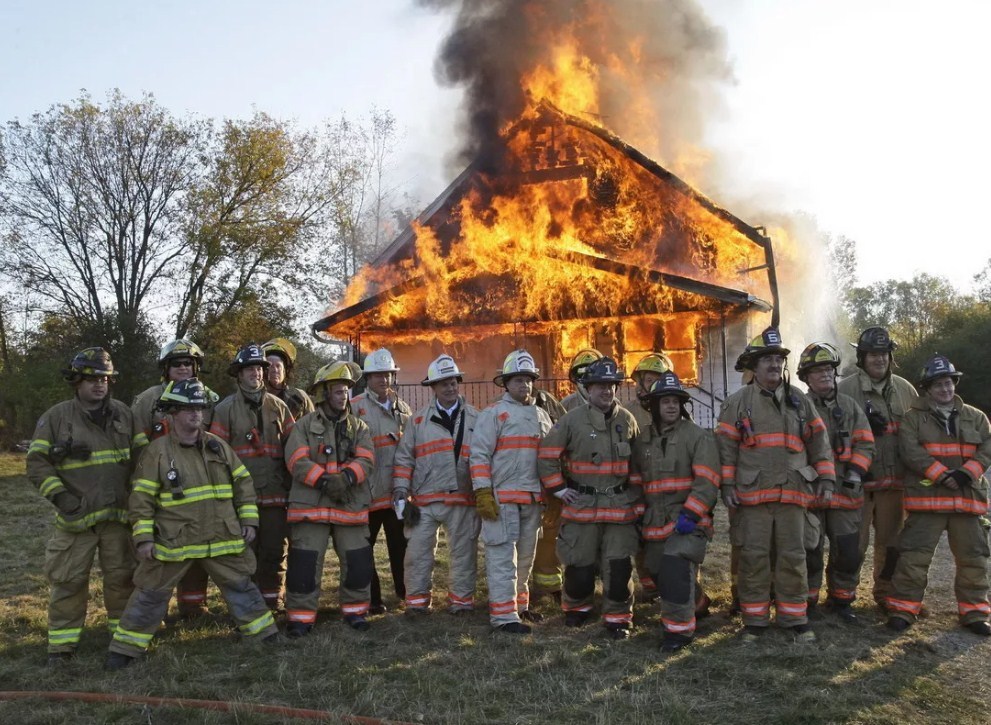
[(219, 705)]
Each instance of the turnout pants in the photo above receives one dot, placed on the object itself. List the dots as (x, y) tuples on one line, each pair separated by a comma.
[(968, 540), (306, 555), (270, 549), (510, 543), (842, 528), (154, 581), (674, 564), (882, 511), (395, 542), (780, 528), (546, 565), (68, 561), (606, 549), (461, 526)]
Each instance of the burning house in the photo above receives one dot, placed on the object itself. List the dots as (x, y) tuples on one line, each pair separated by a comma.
[(559, 235), (580, 241)]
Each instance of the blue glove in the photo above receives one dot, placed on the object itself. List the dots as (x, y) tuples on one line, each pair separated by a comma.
[(687, 522)]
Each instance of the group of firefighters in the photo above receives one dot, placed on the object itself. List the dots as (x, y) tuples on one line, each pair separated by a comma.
[(252, 489)]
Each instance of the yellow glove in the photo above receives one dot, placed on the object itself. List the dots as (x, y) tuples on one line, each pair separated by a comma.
[(486, 505)]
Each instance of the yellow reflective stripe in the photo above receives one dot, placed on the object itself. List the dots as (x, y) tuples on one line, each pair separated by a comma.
[(146, 486), (64, 636), (143, 526), (140, 440), (138, 639), (39, 445), (112, 625), (199, 551), (258, 625), (219, 491), (240, 472), (97, 458), (50, 486), (91, 519), (247, 511)]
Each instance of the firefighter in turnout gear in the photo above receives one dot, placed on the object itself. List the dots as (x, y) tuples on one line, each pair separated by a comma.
[(884, 398), (80, 459), (946, 448), (585, 462), (647, 372), (386, 415), (178, 360), (256, 424), (546, 565), (431, 475), (508, 495), (331, 456), (839, 518), (677, 464), (776, 459), (192, 500), (281, 357)]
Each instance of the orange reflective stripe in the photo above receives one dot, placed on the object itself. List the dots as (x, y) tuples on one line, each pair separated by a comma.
[(380, 504), (306, 616), (935, 470), (273, 499), (357, 470), (430, 448), (451, 499), (967, 607), (497, 608), (519, 497), (794, 609), (959, 450), (903, 605), (404, 472), (461, 601), (313, 475), (779, 440), (974, 468), (549, 453), (518, 442), (296, 455), (825, 468), (325, 515), (384, 441), (697, 507), (609, 468), (668, 485), (729, 473), (862, 435), (618, 618), (755, 609), (730, 431), (707, 473), (774, 495), (945, 504), (860, 461), (678, 627), (364, 453), (219, 430), (816, 425), (481, 470), (601, 515)]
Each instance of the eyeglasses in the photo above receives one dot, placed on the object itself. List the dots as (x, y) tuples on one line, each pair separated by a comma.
[(96, 378), (180, 363)]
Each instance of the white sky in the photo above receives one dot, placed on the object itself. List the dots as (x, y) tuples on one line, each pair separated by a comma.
[(870, 115)]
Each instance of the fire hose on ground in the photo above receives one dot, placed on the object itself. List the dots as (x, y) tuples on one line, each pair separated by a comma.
[(217, 705)]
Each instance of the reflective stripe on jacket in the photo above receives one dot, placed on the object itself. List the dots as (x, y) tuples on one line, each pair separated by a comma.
[(386, 427), (319, 445), (202, 516), (929, 451), (887, 470), (677, 468), (258, 437), (96, 468), (425, 463), (588, 448), (504, 450), (771, 453), (853, 447)]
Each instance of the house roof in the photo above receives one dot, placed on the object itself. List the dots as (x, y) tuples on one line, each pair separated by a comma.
[(403, 247)]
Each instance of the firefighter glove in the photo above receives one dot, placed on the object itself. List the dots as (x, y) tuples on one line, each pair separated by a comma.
[(68, 504), (399, 494), (334, 486), (411, 517), (879, 424), (486, 504), (687, 522), (960, 477)]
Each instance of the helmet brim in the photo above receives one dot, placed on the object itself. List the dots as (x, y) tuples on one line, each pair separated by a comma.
[(501, 378), (427, 382)]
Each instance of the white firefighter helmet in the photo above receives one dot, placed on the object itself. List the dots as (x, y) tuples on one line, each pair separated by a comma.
[(380, 361), (443, 368), (518, 362)]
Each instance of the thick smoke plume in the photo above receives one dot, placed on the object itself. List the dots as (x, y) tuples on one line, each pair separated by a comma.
[(656, 67)]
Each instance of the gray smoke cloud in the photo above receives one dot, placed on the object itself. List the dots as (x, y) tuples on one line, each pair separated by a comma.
[(675, 55)]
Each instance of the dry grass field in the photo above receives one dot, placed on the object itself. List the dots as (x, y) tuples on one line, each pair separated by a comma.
[(441, 669)]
